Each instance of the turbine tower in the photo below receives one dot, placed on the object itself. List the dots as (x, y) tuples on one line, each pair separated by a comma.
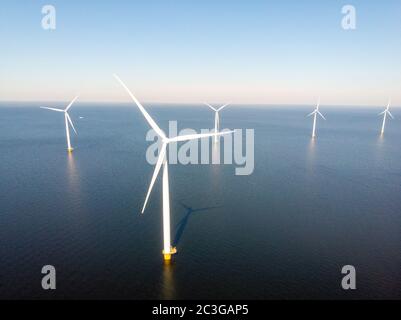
[(315, 113), (216, 118), (168, 250), (385, 113), (67, 120)]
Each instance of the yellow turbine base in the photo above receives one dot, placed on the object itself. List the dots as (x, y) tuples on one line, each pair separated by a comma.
[(70, 150), (167, 255)]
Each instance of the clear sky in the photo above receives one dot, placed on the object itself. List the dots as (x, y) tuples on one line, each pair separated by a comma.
[(267, 52)]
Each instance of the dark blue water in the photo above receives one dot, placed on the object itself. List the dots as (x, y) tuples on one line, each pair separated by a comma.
[(285, 231)]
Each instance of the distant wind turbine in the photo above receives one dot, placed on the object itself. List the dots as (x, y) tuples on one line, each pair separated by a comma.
[(315, 113), (216, 118), (168, 250), (385, 113), (67, 120)]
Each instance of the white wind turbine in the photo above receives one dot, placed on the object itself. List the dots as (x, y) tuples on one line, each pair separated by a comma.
[(168, 250), (385, 113), (315, 113), (216, 118), (67, 120)]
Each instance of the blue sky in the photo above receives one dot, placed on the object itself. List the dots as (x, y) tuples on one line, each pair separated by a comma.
[(267, 52)]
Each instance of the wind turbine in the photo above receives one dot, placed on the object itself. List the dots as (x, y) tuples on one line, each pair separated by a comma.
[(385, 113), (216, 118), (67, 120), (168, 250), (315, 113)]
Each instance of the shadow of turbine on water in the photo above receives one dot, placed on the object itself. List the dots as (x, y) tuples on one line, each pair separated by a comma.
[(182, 224)]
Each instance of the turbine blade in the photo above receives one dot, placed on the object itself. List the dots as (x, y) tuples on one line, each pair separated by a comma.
[(71, 103), (318, 104), (222, 107), (214, 109), (312, 113), (321, 115), (389, 113), (198, 136), (70, 121), (155, 173), (151, 122), (381, 113), (53, 109)]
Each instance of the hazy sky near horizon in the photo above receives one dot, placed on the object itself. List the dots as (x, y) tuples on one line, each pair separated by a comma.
[(273, 52)]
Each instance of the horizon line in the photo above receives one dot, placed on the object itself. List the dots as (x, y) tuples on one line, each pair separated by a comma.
[(149, 103)]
